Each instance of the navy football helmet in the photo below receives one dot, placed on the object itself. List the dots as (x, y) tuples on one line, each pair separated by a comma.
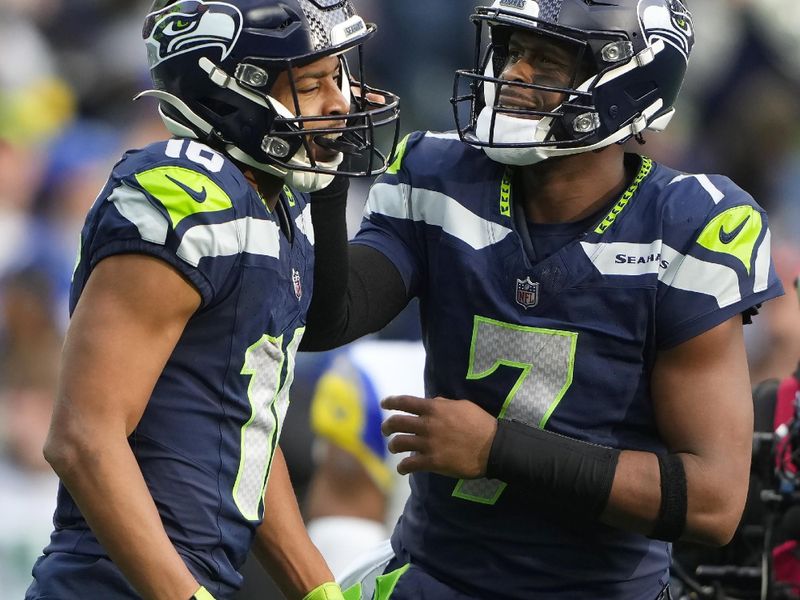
[(213, 65), (635, 53)]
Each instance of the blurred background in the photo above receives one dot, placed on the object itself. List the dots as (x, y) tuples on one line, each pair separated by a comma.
[(69, 71)]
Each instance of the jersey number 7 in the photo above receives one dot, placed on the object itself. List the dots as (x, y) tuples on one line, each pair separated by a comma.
[(546, 359)]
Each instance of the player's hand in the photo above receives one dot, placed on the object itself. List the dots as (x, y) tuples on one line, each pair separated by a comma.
[(355, 89), (448, 437)]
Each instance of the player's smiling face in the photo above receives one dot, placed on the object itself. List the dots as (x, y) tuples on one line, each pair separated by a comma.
[(540, 60), (318, 94)]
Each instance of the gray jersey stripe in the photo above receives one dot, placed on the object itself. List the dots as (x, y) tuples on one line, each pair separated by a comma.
[(305, 225), (434, 208), (254, 236), (683, 272), (136, 208)]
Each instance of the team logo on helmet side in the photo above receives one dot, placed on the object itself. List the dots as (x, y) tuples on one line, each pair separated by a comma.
[(670, 21), (190, 25)]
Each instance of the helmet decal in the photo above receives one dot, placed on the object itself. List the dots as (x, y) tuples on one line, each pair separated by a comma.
[(323, 16), (550, 10), (669, 21), (190, 25), (547, 10), (527, 7)]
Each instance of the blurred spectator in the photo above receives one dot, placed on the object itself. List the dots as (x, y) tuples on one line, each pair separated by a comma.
[(356, 495), (69, 71), (28, 362)]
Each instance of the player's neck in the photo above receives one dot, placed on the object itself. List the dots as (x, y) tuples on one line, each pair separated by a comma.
[(268, 187), (571, 188)]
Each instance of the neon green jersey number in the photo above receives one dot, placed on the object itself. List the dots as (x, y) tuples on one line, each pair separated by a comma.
[(546, 360), (269, 400)]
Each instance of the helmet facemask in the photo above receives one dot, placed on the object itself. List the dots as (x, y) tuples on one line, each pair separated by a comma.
[(515, 132), (609, 96)]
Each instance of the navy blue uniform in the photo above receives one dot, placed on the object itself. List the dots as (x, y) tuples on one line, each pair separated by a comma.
[(566, 342), (206, 440)]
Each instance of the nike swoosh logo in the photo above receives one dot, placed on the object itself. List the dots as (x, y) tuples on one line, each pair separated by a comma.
[(200, 196), (727, 237)]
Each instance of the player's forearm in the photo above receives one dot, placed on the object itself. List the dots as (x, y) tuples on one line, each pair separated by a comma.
[(105, 481), (357, 290), (282, 544), (327, 313), (714, 502), (698, 499)]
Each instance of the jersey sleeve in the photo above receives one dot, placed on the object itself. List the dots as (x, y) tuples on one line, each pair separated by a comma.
[(177, 213), (718, 262), (390, 225)]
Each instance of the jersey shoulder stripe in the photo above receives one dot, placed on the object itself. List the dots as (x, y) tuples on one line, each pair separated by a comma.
[(696, 233), (400, 201), (186, 187)]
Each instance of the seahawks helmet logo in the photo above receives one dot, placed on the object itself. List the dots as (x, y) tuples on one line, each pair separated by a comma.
[(191, 25), (670, 21)]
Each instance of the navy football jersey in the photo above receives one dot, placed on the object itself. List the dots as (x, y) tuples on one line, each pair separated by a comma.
[(566, 343), (206, 440)]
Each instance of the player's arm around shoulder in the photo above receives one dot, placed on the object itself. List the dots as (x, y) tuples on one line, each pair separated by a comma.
[(131, 314)]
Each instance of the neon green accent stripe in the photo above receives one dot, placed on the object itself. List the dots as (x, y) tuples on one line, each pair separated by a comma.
[(505, 193), (734, 232), (287, 191), (353, 592), (385, 584), (399, 154), (203, 594), (611, 217), (165, 184), (326, 591)]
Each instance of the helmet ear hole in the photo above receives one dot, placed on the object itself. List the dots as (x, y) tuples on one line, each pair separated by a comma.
[(220, 109)]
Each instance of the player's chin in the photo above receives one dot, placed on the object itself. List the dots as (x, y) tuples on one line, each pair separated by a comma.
[(324, 155)]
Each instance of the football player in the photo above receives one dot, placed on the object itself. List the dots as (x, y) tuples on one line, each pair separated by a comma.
[(582, 310), (189, 301)]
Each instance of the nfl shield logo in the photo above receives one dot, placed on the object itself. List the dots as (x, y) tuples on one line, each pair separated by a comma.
[(298, 288), (527, 293)]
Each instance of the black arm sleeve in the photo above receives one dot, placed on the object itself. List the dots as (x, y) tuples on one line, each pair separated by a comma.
[(357, 290), (569, 474)]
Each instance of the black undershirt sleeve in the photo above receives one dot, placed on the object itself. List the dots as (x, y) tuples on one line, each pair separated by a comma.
[(357, 290)]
